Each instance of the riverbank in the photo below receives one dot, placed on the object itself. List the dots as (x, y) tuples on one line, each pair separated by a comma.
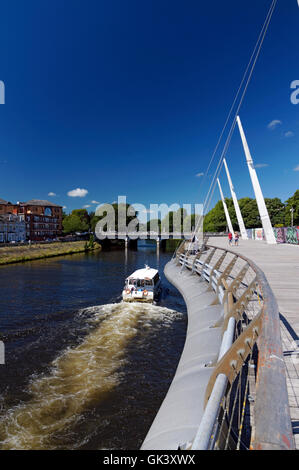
[(17, 254)]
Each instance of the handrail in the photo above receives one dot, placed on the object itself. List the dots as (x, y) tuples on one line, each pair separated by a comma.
[(245, 293)]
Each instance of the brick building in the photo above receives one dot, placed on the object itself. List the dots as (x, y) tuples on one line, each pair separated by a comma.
[(43, 219)]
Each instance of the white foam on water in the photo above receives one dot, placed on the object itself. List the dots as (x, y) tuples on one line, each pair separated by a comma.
[(80, 376)]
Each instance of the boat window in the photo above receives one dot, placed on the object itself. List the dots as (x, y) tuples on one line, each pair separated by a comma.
[(156, 278), (148, 282)]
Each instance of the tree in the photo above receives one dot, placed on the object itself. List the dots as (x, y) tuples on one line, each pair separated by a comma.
[(174, 220), (276, 210), (292, 202), (154, 225), (215, 220), (250, 213), (83, 214), (93, 222), (118, 209), (73, 223)]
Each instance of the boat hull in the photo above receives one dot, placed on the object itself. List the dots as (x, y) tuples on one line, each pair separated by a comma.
[(147, 301)]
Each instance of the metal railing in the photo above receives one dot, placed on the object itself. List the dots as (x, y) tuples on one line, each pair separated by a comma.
[(246, 402)]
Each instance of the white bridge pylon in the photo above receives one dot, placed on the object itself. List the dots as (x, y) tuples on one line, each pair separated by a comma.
[(229, 223), (264, 215), (236, 204)]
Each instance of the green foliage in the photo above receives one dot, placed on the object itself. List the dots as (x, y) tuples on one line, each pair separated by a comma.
[(91, 242), (80, 221), (173, 220), (250, 213), (154, 225), (93, 222), (72, 223), (292, 202), (82, 213), (119, 209), (215, 220), (276, 210)]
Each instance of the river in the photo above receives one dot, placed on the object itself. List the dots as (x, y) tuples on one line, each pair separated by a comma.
[(84, 370)]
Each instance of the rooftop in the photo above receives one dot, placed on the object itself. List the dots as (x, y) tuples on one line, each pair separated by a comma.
[(145, 273), (33, 202), (39, 202)]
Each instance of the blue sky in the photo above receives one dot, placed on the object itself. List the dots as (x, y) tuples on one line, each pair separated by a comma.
[(129, 98)]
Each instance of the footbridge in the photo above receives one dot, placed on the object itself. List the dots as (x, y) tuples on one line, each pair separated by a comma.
[(130, 237), (143, 235), (237, 382)]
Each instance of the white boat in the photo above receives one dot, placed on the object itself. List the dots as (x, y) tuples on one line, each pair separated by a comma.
[(143, 285)]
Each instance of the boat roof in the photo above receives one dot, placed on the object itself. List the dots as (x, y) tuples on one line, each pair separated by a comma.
[(145, 273)]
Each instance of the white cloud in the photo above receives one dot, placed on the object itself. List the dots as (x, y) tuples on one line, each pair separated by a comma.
[(86, 206), (95, 202), (261, 165), (199, 175), (77, 192), (51, 194), (289, 134), (296, 168), (273, 124), (64, 207)]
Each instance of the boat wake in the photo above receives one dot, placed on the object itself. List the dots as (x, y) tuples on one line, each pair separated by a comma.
[(80, 377)]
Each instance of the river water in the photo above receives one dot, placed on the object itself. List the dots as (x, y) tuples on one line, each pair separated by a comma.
[(84, 370)]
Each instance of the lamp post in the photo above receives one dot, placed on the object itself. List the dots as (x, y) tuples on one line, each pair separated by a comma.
[(292, 216)]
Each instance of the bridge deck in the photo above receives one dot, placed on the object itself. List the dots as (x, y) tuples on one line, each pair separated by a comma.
[(280, 263)]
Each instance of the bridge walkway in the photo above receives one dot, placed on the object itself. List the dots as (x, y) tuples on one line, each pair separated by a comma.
[(280, 263)]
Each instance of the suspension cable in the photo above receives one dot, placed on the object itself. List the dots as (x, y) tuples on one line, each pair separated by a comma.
[(234, 102), (228, 140), (248, 73)]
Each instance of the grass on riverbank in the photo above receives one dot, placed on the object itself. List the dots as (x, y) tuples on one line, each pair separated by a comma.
[(16, 254)]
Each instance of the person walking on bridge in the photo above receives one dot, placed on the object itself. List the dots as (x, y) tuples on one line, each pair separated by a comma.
[(236, 239), (230, 238)]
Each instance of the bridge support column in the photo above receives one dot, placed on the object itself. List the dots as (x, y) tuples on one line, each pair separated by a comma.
[(230, 226), (158, 241), (267, 226), (236, 204)]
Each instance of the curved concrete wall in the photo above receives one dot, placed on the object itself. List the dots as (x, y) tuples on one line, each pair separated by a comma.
[(180, 414)]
